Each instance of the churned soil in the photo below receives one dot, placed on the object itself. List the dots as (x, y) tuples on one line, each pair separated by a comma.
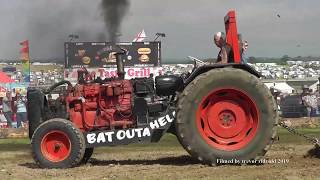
[(165, 160)]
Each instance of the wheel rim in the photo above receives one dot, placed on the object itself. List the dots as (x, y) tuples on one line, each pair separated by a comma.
[(55, 146), (227, 119)]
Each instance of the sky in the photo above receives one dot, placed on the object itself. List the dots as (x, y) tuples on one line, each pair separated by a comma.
[(189, 25)]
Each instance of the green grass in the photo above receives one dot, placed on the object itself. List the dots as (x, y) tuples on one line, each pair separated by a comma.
[(169, 141), (286, 137), (14, 144)]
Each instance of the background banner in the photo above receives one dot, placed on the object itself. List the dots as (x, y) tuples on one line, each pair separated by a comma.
[(95, 54)]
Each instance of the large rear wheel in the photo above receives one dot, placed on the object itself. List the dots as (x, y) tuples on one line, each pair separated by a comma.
[(57, 143), (226, 116)]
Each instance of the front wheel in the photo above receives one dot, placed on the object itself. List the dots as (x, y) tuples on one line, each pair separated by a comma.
[(226, 116), (57, 143)]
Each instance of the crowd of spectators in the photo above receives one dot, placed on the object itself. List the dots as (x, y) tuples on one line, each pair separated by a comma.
[(311, 100), (13, 111), (304, 104)]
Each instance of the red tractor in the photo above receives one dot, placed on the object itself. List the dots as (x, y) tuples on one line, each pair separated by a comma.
[(218, 112)]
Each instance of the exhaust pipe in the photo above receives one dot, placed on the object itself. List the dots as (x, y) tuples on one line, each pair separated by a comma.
[(120, 65)]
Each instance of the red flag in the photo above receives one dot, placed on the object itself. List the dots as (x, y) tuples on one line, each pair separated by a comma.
[(24, 51), (25, 43)]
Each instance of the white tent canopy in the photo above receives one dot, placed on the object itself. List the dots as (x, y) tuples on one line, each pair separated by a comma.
[(314, 86), (281, 86)]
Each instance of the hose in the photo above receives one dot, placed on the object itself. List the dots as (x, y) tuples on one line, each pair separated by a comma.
[(51, 88)]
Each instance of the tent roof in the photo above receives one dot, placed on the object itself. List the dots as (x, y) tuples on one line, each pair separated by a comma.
[(282, 86), (314, 86), (4, 78)]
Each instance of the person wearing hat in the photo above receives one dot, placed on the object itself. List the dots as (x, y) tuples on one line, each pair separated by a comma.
[(225, 54)]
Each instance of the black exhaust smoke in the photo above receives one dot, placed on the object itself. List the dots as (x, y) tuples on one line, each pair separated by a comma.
[(113, 13)]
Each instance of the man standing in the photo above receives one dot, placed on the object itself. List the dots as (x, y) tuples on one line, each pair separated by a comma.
[(21, 110), (7, 110)]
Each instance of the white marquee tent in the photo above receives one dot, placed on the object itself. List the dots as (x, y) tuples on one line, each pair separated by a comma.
[(281, 86)]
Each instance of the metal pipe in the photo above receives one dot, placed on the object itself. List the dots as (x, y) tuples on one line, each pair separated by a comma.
[(120, 66), (51, 88)]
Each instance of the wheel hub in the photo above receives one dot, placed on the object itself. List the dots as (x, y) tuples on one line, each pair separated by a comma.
[(55, 146), (227, 119)]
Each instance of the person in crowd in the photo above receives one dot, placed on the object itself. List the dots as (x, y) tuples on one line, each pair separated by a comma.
[(7, 109), (244, 56), (309, 100), (318, 99), (21, 110)]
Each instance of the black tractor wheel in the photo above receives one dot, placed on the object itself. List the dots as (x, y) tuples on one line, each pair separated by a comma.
[(57, 143), (87, 155), (226, 116)]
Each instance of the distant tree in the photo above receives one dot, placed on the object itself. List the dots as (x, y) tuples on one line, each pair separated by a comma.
[(283, 60), (252, 59)]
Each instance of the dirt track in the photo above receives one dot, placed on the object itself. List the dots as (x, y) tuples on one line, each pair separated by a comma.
[(166, 160)]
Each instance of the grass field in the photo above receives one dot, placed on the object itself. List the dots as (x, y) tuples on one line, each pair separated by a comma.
[(164, 160)]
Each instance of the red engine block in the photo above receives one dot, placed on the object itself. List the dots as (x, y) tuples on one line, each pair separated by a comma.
[(105, 106)]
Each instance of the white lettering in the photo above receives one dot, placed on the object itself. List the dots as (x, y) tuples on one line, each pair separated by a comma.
[(101, 138), (154, 124), (130, 136), (138, 131), (109, 136), (91, 138), (121, 134), (146, 132), (169, 119), (162, 121)]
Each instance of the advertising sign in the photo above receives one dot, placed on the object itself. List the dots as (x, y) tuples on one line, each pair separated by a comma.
[(102, 54), (130, 72)]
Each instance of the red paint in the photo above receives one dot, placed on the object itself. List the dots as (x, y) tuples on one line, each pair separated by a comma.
[(227, 119), (102, 106), (55, 146), (232, 34)]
